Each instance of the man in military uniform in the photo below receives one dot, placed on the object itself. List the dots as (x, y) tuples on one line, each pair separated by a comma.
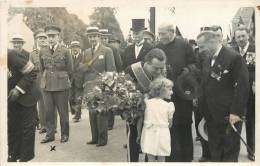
[(56, 64), (247, 49), (118, 62), (41, 41), (77, 80), (22, 98), (136, 52), (98, 59)]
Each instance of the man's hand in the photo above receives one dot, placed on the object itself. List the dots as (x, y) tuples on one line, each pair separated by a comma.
[(13, 94), (234, 118)]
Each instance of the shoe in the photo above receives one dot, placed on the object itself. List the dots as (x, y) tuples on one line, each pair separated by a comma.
[(76, 120), (64, 139), (42, 131), (98, 145), (203, 159), (91, 142), (251, 157), (46, 139)]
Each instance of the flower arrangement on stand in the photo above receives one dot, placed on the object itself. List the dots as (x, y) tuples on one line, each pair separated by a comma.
[(115, 92)]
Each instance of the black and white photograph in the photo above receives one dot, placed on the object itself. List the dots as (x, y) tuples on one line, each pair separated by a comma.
[(128, 82)]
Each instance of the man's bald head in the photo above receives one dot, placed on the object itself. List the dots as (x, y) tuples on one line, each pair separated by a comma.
[(166, 33)]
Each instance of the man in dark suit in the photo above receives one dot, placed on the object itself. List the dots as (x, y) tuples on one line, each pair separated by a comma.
[(22, 98), (136, 52), (98, 59), (180, 58), (225, 95), (57, 65), (247, 49), (77, 80)]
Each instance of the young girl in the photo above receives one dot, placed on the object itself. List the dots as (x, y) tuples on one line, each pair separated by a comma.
[(155, 138)]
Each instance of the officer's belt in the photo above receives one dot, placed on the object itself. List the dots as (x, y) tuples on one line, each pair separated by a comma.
[(140, 75)]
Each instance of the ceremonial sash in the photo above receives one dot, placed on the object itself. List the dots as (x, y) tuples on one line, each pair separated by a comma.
[(140, 75)]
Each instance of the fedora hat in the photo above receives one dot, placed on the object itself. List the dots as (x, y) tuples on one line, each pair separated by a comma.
[(52, 29), (17, 38), (137, 25), (203, 129), (92, 30), (188, 85)]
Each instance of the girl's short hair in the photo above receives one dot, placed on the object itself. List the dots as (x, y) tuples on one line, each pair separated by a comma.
[(157, 86)]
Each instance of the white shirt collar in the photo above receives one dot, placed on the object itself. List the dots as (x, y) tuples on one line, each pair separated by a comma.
[(138, 48), (96, 46), (55, 46), (245, 48), (140, 44), (217, 52)]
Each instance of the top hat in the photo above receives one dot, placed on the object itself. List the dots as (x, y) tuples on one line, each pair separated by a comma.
[(39, 33), (188, 85), (52, 29), (75, 43), (137, 25), (17, 38), (93, 30), (105, 32)]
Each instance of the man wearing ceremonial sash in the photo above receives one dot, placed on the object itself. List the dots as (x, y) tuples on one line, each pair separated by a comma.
[(143, 73)]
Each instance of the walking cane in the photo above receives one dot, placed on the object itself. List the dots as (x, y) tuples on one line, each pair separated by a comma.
[(128, 142), (244, 142)]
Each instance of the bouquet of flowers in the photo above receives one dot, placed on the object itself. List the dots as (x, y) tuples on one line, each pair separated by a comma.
[(115, 92)]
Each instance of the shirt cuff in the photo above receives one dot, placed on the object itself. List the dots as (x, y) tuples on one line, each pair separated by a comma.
[(20, 89)]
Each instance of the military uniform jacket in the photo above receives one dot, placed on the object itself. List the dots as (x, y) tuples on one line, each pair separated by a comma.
[(77, 77), (35, 59), (129, 56), (56, 68), (21, 74), (104, 62), (226, 90)]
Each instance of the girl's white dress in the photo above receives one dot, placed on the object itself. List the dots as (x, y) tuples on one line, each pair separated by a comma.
[(155, 138)]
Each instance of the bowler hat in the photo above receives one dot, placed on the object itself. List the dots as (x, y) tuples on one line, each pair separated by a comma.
[(105, 32), (188, 85), (39, 33), (138, 25), (75, 43), (17, 38), (52, 29), (93, 30)]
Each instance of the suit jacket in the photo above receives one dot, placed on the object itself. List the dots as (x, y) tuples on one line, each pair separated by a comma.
[(25, 81), (57, 68), (129, 56), (117, 57), (228, 85), (104, 62), (77, 77)]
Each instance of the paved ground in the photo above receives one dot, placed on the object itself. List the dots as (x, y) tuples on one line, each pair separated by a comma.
[(76, 149)]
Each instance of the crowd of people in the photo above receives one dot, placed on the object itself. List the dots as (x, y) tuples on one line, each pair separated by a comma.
[(53, 78)]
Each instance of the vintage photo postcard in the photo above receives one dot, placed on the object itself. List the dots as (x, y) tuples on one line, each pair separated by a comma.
[(129, 82)]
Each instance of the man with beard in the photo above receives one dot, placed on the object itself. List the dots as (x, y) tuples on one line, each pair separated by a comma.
[(136, 52), (225, 95), (77, 80), (247, 49), (97, 59), (180, 59), (143, 73)]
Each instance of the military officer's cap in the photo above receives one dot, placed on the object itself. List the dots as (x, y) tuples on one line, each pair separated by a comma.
[(52, 29), (17, 38), (39, 33), (105, 32), (75, 43), (93, 31)]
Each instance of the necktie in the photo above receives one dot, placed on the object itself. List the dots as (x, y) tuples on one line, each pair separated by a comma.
[(92, 50), (242, 52), (52, 49)]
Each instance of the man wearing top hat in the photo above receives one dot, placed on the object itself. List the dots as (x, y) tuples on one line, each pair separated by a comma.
[(56, 64), (180, 60), (98, 59), (136, 52), (41, 41), (77, 80), (18, 42), (22, 99)]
